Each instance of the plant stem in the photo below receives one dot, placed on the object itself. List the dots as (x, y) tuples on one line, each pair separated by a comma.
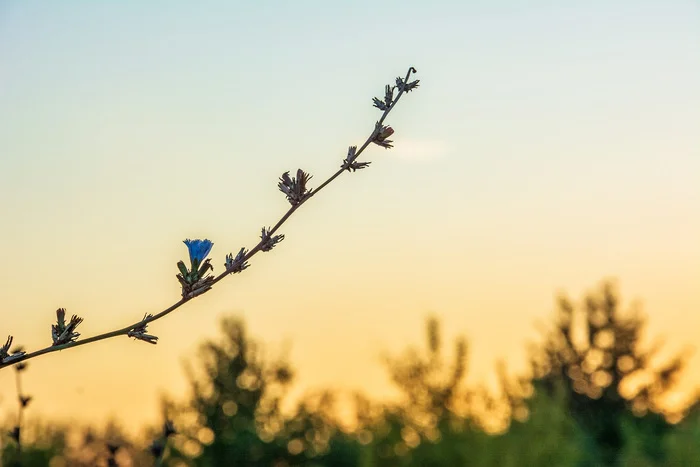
[(248, 256)]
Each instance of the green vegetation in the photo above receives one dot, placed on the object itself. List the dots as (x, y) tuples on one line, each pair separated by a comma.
[(594, 397)]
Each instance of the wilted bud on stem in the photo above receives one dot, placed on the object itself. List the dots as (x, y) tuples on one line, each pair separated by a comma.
[(63, 333), (268, 242), (295, 187), (139, 331), (381, 133), (237, 263)]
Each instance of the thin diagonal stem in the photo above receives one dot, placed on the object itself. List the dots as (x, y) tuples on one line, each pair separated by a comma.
[(248, 256)]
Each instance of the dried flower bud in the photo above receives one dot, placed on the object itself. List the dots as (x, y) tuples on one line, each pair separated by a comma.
[(388, 99), (406, 87), (268, 242), (5, 349), (388, 95), (12, 358), (295, 187), (349, 162), (61, 318), (381, 133), (6, 357), (353, 166), (63, 333), (379, 104), (237, 263), (139, 331), (352, 154), (385, 132)]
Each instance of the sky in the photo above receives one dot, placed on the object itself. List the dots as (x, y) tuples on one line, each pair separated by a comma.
[(550, 145)]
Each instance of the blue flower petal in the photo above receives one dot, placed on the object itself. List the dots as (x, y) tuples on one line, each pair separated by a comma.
[(205, 248), (198, 249)]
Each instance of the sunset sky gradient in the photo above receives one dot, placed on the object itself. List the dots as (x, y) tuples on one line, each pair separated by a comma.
[(550, 145)]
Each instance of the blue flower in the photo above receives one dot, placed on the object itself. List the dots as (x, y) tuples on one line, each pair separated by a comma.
[(199, 249), (195, 281)]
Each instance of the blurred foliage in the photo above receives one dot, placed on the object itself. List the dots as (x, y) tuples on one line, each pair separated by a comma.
[(615, 389), (595, 396), (60, 445)]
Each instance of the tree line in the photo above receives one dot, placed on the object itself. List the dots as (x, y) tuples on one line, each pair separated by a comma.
[(593, 396)]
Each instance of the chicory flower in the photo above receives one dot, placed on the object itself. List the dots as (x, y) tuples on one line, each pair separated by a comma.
[(199, 250)]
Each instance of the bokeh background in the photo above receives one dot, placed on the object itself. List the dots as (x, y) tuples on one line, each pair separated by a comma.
[(550, 145)]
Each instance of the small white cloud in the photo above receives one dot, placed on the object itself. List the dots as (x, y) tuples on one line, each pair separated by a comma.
[(418, 150)]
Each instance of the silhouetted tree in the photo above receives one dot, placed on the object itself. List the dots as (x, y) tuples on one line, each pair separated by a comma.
[(439, 420), (611, 383), (433, 391), (431, 425), (314, 431), (234, 415)]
